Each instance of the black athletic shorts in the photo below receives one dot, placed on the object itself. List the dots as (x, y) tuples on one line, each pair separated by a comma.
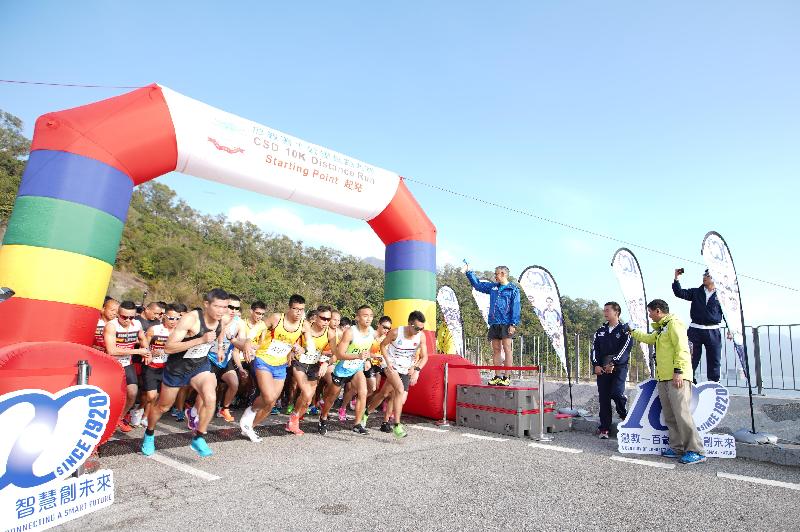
[(499, 332), (130, 375), (151, 378), (219, 372), (373, 371), (341, 381), (311, 370)]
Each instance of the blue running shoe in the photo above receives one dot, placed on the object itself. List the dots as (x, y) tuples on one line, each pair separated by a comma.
[(174, 412), (275, 411), (180, 417), (669, 453), (201, 447), (148, 445), (692, 457)]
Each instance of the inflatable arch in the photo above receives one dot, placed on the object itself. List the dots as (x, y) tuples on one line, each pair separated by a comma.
[(63, 235)]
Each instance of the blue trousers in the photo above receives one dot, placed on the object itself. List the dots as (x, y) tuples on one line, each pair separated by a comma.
[(711, 339), (611, 387)]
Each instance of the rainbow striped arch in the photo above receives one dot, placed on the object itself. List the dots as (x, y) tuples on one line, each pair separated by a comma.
[(63, 235)]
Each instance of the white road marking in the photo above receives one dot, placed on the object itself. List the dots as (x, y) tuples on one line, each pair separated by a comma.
[(180, 466), (643, 462), (480, 437), (555, 448), (756, 480), (429, 429)]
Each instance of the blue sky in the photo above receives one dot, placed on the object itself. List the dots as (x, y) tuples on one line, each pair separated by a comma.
[(651, 122)]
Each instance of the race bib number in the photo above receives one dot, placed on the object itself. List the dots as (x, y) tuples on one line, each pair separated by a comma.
[(159, 358), (402, 364), (199, 351), (124, 361), (352, 364), (278, 349), (324, 358), (310, 358)]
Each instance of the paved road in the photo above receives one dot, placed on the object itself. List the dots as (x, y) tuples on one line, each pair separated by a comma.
[(431, 480)]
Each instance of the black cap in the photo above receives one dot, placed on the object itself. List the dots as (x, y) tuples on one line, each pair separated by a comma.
[(5, 293)]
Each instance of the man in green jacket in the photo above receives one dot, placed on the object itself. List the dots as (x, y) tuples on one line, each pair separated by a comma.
[(674, 376)]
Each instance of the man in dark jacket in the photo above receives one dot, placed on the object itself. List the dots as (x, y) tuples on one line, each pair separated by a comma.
[(706, 315), (611, 349), (504, 312)]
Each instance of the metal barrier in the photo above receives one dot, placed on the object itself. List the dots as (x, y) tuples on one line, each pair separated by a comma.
[(542, 436), (774, 362)]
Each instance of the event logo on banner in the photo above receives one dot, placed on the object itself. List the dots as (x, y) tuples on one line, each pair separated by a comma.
[(448, 302), (44, 439), (718, 259), (482, 300), (629, 276), (645, 432), (542, 292)]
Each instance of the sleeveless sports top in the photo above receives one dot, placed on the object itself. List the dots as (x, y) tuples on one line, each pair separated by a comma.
[(227, 346), (198, 351), (157, 343), (276, 344), (126, 338), (320, 346), (375, 349), (403, 351), (99, 338), (359, 344)]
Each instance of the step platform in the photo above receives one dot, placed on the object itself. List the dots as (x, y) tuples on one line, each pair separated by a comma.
[(505, 397)]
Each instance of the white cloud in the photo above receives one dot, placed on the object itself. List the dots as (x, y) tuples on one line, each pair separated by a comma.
[(444, 257), (358, 242)]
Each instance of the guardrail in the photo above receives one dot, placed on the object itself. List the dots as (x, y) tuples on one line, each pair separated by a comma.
[(773, 353)]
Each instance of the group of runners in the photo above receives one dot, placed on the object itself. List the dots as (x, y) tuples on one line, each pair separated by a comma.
[(177, 360)]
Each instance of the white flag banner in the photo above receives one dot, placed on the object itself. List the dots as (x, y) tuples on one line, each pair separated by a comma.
[(452, 316), (482, 300), (541, 290), (630, 279), (718, 259)]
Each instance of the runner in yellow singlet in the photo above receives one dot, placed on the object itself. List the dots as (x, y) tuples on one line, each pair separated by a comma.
[(276, 347), (310, 365)]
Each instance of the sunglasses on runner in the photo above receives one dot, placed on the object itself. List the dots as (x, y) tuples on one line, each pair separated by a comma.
[(234, 308), (418, 329), (173, 319), (121, 317), (323, 318)]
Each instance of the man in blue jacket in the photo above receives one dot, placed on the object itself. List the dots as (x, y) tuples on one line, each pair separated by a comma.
[(706, 314), (504, 310), (611, 349)]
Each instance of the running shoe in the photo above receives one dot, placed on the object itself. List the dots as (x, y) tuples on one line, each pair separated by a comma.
[(201, 447), (603, 434), (669, 453), (313, 411), (358, 429), (322, 427), (495, 381), (364, 419), (148, 444), (352, 404), (386, 427), (225, 413), (248, 432), (122, 426), (289, 410), (275, 411), (293, 426), (191, 421), (180, 417), (399, 431), (505, 381), (342, 414), (692, 457), (174, 412), (136, 417)]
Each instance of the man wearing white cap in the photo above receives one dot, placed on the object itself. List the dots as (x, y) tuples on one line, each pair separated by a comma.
[(706, 314)]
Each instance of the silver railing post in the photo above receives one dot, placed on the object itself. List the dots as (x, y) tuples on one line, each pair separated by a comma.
[(541, 436), (444, 422)]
